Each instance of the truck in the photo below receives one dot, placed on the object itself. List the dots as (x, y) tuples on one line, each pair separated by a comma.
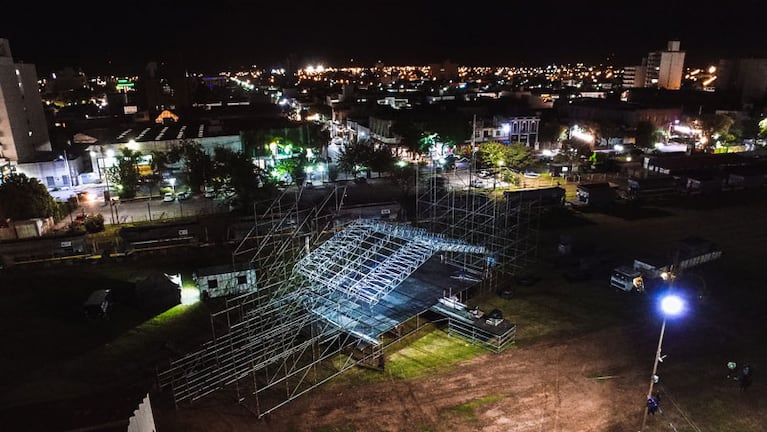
[(649, 271)]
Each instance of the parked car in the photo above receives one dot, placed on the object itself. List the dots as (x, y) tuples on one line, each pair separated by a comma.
[(183, 195), (98, 304), (530, 174), (168, 197)]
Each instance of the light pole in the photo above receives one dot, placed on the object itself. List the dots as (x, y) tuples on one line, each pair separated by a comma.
[(671, 306), (498, 174)]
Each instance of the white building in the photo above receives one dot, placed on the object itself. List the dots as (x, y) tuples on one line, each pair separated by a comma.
[(23, 128), (660, 69), (664, 68), (508, 130)]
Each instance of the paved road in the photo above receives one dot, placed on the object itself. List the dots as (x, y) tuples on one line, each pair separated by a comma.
[(141, 209)]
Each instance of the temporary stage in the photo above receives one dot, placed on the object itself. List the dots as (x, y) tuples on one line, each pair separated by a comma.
[(328, 298)]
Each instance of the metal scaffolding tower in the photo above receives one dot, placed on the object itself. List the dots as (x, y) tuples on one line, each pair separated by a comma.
[(504, 222)]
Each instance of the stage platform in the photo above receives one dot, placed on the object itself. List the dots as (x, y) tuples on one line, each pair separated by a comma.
[(415, 295)]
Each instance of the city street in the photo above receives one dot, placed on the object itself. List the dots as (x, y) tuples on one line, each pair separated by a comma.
[(136, 210)]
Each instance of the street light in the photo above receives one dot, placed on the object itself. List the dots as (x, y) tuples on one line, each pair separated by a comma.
[(671, 306), (506, 129)]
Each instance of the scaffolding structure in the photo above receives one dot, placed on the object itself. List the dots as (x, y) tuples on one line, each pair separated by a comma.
[(327, 298), (506, 223)]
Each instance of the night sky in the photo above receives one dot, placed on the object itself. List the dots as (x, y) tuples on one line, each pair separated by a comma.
[(112, 37)]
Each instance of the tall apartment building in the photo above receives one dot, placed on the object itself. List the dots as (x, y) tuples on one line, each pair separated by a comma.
[(661, 69), (664, 68), (746, 78), (23, 127)]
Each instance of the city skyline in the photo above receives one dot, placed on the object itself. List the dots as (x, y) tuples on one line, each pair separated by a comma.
[(123, 39)]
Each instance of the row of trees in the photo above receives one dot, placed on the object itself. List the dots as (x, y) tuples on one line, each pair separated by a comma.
[(225, 169), (719, 128)]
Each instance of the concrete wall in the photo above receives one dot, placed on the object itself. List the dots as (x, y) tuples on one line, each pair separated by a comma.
[(52, 173)]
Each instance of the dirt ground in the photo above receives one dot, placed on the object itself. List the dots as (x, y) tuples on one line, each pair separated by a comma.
[(551, 386)]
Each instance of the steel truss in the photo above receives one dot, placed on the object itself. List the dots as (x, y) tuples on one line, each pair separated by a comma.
[(297, 328), (371, 258)]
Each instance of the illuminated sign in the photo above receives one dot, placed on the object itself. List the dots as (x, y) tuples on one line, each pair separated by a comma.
[(124, 84)]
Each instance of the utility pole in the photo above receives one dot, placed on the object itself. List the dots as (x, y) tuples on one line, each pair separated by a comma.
[(473, 140)]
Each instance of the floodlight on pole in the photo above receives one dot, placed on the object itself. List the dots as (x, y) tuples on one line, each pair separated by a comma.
[(671, 306)]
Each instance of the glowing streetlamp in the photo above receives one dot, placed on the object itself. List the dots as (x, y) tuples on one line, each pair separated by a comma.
[(172, 181), (506, 129), (671, 306)]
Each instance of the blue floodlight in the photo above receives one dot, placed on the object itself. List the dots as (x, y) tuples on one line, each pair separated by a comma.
[(672, 305)]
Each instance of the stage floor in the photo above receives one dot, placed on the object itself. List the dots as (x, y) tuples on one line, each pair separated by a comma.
[(416, 294)]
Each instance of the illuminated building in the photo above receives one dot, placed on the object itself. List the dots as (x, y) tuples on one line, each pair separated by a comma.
[(664, 68), (23, 129)]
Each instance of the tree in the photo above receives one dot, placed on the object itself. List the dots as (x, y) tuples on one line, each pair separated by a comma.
[(353, 157), (492, 154), (572, 152), (22, 198), (160, 161), (125, 173), (199, 164), (716, 127), (332, 172), (404, 177), (453, 128), (410, 135), (762, 128), (647, 134), (381, 160), (519, 156), (235, 171)]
